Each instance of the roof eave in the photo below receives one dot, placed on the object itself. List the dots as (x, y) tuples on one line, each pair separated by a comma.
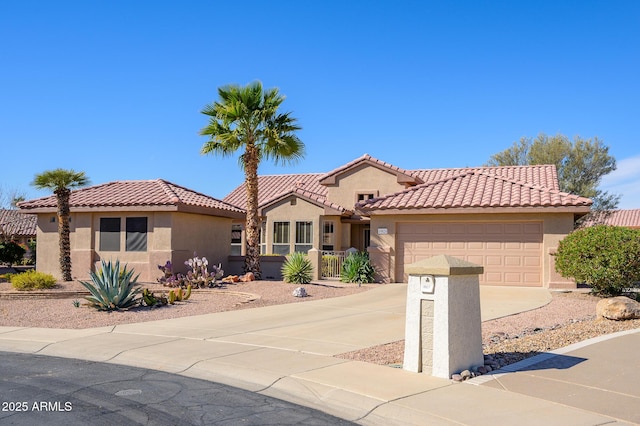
[(402, 178), (477, 210)]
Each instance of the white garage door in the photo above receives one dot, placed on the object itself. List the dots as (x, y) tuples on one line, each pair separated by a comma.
[(511, 252)]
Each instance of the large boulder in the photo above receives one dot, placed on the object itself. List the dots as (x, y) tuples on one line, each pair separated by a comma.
[(618, 308)]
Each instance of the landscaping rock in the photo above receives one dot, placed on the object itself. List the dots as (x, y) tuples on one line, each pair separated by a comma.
[(618, 308), (247, 277), (300, 292), (230, 279)]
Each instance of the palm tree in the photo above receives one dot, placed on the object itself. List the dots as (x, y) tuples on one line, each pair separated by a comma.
[(60, 181), (247, 118)]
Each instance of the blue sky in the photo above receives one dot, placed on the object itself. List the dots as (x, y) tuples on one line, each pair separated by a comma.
[(115, 88)]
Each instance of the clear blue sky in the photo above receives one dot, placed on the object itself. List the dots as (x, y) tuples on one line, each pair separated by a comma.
[(115, 88)]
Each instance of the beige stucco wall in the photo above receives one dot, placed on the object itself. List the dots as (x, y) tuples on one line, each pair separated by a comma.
[(285, 211), (170, 236), (208, 236), (47, 246), (555, 227), (362, 179)]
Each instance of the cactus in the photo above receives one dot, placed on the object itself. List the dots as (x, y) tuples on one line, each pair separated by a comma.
[(172, 297), (188, 293), (148, 298)]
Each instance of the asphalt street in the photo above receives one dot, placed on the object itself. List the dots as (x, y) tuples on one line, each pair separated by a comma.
[(43, 390)]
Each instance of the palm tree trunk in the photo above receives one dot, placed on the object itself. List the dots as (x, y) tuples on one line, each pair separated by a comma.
[(252, 255), (62, 195)]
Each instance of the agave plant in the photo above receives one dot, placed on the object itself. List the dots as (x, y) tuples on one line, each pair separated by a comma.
[(297, 269), (357, 268), (112, 288)]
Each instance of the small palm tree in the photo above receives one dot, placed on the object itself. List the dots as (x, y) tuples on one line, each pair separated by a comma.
[(247, 118), (60, 181)]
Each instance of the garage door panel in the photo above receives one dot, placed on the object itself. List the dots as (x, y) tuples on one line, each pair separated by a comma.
[(532, 228), (511, 252), (513, 261), (513, 228), (531, 261), (493, 260)]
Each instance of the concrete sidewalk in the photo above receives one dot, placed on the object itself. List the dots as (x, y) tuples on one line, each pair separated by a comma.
[(287, 351)]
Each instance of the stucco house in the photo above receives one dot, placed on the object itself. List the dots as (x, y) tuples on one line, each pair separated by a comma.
[(142, 223), (507, 219)]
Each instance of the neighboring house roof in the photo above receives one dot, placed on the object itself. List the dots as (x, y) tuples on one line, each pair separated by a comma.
[(275, 187), (474, 189), (628, 218), (17, 223), (138, 195)]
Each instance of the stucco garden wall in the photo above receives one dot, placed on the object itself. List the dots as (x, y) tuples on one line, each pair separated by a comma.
[(208, 236)]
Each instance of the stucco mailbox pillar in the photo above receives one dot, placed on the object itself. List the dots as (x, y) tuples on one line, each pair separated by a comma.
[(443, 333)]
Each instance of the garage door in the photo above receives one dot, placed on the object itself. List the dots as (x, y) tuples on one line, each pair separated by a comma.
[(511, 253)]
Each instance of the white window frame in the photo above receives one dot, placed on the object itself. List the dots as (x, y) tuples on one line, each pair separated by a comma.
[(304, 236), (328, 238), (281, 238)]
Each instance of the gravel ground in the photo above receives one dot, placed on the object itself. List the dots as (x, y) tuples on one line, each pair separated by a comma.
[(567, 319), (52, 312)]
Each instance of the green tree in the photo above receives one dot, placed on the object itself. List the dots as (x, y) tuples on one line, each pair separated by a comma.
[(246, 118), (581, 164), (60, 181)]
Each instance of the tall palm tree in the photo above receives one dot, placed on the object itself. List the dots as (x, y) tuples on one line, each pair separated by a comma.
[(60, 181), (246, 117)]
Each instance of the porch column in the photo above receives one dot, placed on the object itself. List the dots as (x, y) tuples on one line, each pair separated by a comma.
[(315, 257)]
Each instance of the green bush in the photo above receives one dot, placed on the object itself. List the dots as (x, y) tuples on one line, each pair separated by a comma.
[(297, 269), (357, 268), (112, 288), (32, 280), (605, 257), (11, 252)]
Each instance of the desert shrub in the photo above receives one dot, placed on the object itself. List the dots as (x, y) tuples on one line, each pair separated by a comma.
[(32, 280), (605, 257), (297, 269), (198, 275), (11, 252), (112, 288), (357, 268)]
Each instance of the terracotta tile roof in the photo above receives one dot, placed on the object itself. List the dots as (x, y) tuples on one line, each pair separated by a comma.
[(628, 218), (544, 175), (136, 193), (17, 223), (271, 187), (473, 189), (312, 197), (409, 176)]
